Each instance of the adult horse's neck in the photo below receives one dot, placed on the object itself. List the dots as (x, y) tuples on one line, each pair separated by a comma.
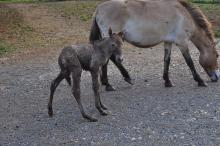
[(201, 40)]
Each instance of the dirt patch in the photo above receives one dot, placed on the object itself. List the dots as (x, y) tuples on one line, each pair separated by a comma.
[(44, 28), (33, 29)]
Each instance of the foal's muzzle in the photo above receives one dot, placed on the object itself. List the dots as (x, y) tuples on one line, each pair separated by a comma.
[(214, 76), (119, 59)]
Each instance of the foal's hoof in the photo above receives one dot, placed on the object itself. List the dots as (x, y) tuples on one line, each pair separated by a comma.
[(129, 80), (50, 110), (109, 88), (91, 119), (202, 84), (168, 84)]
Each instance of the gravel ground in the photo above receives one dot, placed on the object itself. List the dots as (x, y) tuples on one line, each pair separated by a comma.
[(146, 113)]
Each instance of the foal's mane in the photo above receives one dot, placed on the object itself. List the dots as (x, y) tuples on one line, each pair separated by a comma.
[(199, 18)]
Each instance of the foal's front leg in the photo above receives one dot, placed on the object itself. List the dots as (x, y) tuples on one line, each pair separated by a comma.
[(96, 85), (189, 62), (167, 54), (76, 76)]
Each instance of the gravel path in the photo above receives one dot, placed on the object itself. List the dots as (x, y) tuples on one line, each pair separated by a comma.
[(146, 113)]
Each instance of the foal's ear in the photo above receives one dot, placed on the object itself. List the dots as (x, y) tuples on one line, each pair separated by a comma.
[(110, 31), (121, 34)]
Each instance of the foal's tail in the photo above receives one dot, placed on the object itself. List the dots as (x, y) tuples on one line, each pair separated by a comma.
[(95, 33)]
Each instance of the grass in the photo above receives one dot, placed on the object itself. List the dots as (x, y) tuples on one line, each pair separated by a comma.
[(5, 48), (206, 1), (13, 30), (18, 1), (16, 34), (83, 10), (217, 33)]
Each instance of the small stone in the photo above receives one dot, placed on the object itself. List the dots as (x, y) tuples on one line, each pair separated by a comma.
[(133, 139), (139, 138)]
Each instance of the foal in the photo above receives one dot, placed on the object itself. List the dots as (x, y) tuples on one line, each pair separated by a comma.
[(89, 57)]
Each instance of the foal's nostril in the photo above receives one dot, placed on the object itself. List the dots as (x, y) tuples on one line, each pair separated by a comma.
[(119, 59)]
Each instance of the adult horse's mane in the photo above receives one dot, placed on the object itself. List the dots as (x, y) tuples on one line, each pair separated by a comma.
[(199, 18)]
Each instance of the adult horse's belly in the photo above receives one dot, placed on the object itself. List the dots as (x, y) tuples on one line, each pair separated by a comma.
[(146, 33)]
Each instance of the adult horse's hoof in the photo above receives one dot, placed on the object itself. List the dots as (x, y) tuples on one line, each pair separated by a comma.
[(168, 84), (103, 107), (103, 113), (50, 111), (202, 84), (109, 88), (129, 80), (92, 120)]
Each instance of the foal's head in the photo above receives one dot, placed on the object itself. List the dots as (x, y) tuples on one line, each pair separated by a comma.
[(115, 45)]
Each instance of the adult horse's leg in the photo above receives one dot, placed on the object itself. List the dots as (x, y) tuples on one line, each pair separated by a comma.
[(104, 78), (123, 71), (189, 62), (167, 54)]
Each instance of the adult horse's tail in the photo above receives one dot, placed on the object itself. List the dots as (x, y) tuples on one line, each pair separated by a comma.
[(95, 33)]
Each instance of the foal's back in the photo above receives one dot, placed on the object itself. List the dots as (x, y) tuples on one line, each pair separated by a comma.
[(75, 55)]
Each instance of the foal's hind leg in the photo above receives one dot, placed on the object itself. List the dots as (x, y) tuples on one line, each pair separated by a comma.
[(53, 87), (167, 54), (188, 59), (76, 75), (96, 86)]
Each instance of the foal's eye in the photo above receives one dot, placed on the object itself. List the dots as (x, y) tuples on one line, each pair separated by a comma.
[(217, 55), (113, 45)]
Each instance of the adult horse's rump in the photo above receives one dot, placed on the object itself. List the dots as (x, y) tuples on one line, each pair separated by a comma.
[(146, 23)]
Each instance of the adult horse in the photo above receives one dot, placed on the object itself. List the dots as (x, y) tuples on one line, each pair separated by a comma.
[(146, 23)]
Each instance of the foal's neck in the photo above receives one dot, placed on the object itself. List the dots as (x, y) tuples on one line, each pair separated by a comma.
[(102, 54), (102, 50)]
